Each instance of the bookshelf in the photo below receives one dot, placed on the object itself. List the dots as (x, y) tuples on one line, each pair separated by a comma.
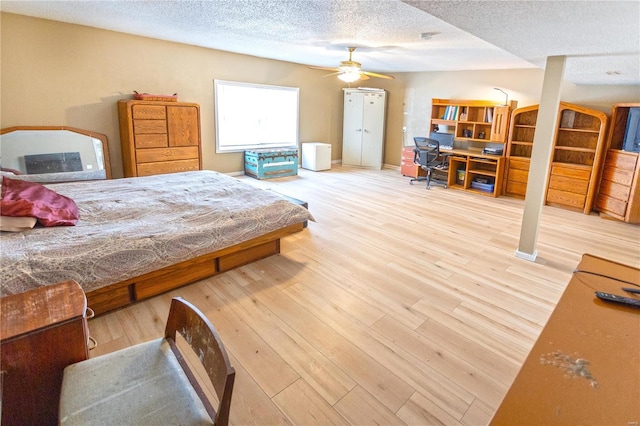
[(619, 189), (472, 121), (577, 155), (519, 146)]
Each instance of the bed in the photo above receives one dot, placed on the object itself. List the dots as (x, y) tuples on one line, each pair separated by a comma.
[(139, 237)]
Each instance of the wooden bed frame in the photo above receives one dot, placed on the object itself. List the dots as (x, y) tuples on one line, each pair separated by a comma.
[(129, 291), (153, 283)]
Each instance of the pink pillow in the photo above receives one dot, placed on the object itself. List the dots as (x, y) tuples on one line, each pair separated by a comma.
[(22, 198)]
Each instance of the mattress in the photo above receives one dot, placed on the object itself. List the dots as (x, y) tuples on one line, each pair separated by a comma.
[(132, 226)]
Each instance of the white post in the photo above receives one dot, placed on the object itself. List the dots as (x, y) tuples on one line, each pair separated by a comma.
[(541, 157)]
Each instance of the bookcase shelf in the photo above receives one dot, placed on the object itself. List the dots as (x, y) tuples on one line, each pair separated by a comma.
[(473, 121), (576, 158)]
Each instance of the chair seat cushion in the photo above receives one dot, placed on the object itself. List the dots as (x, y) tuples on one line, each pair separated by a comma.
[(142, 384)]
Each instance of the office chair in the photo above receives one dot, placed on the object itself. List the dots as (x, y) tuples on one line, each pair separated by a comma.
[(427, 155), (153, 383)]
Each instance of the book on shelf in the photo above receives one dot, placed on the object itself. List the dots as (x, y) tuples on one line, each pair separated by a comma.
[(489, 115), (451, 113)]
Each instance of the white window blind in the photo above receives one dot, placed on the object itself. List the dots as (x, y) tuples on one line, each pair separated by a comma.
[(250, 116)]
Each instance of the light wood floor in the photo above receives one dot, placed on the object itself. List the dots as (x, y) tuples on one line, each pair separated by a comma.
[(397, 306)]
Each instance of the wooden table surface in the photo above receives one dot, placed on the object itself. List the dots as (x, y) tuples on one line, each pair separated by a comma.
[(585, 366)]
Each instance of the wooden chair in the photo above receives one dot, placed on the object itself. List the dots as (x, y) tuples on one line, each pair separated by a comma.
[(151, 383)]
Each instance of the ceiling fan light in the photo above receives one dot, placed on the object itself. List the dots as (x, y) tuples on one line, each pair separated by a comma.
[(349, 76)]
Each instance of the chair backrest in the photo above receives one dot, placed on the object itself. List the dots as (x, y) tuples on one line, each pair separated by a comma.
[(198, 332), (427, 151)]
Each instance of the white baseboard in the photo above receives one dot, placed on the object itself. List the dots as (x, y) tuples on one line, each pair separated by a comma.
[(527, 256)]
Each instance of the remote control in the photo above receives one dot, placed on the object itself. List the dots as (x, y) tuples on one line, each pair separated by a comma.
[(631, 290), (618, 299)]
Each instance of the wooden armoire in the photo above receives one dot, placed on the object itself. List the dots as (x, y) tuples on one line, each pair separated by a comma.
[(159, 137)]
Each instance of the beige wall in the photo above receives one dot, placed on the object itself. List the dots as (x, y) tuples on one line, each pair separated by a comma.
[(61, 74), (523, 86)]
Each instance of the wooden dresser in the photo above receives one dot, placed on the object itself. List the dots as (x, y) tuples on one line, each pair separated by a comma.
[(619, 195), (41, 332), (159, 137)]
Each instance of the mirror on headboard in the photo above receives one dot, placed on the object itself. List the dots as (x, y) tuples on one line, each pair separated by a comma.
[(53, 154)]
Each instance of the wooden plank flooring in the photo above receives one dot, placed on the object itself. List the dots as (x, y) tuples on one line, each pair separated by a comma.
[(399, 305)]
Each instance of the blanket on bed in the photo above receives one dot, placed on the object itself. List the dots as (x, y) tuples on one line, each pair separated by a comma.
[(129, 227)]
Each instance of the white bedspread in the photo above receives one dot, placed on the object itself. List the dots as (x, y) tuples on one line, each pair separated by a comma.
[(132, 226)]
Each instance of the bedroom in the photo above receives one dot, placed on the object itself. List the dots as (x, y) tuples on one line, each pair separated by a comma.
[(55, 73)]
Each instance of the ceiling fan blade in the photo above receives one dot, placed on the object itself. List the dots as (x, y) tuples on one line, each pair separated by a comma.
[(333, 73), (364, 76), (374, 74), (322, 68)]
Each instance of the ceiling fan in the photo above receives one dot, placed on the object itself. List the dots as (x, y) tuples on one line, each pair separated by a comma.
[(350, 71)]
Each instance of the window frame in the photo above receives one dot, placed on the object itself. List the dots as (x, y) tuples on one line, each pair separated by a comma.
[(261, 93)]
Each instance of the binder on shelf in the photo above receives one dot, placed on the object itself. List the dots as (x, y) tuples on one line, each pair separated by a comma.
[(489, 118)]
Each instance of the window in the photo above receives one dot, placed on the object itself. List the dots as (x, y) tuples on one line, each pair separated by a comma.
[(255, 116)]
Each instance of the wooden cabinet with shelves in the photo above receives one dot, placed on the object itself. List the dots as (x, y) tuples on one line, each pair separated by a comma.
[(475, 172), (518, 152), (472, 120), (576, 156), (619, 190), (159, 137)]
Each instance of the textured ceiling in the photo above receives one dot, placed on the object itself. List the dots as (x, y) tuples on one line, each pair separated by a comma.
[(600, 38)]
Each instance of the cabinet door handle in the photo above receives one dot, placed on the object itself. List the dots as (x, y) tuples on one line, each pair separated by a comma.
[(90, 313)]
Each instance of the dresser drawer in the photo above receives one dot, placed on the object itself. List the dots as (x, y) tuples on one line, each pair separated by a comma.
[(621, 160), (149, 112), (517, 175), (519, 164), (583, 173), (147, 169), (149, 126), (516, 188), (611, 205), (615, 190), (569, 199), (568, 184), (620, 176), (152, 140), (166, 154)]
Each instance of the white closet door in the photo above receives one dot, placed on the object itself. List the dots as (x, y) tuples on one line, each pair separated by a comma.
[(373, 130), (352, 129)]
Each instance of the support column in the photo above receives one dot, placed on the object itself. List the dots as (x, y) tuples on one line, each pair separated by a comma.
[(541, 157)]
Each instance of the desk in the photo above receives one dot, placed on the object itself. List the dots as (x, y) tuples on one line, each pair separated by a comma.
[(553, 386), (41, 332)]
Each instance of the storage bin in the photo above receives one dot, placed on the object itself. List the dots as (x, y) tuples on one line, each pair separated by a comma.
[(486, 187), (460, 177)]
